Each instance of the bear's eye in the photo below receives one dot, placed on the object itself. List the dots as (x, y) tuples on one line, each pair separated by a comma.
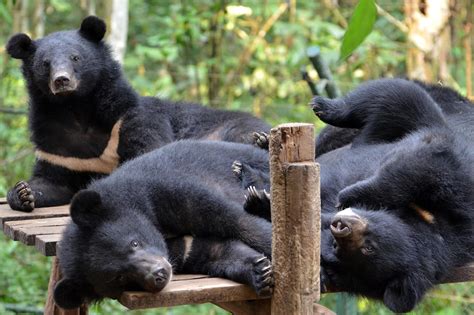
[(134, 243), (75, 58), (46, 63), (367, 250)]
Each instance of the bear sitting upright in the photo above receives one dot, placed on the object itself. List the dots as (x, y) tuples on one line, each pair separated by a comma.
[(85, 119), (116, 240), (405, 188)]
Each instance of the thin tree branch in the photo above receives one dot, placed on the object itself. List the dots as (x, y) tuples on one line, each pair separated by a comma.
[(244, 58), (393, 20)]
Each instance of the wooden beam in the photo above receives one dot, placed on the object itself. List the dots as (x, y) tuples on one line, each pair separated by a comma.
[(194, 291), (51, 308), (460, 274), (46, 244), (256, 307), (296, 219), (7, 214)]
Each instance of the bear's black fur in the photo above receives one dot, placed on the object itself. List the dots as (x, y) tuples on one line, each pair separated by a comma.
[(406, 184), (451, 103), (85, 118), (138, 214)]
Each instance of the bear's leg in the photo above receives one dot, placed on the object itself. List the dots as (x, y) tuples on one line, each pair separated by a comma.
[(37, 192), (229, 259), (385, 110), (250, 176), (241, 129), (420, 175), (48, 187), (331, 138), (143, 129), (211, 213)]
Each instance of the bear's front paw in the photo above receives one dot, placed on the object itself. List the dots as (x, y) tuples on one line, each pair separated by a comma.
[(261, 140), (21, 197), (257, 202), (347, 198), (263, 281)]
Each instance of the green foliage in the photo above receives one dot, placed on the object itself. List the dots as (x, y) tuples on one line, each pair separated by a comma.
[(360, 26)]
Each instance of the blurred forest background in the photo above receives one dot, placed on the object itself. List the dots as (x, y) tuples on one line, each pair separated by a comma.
[(241, 55)]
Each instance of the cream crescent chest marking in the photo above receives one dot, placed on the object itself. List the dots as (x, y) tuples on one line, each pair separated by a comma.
[(188, 243), (105, 163)]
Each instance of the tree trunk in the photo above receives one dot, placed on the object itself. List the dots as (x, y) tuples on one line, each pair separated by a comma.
[(118, 28), (428, 38), (39, 19)]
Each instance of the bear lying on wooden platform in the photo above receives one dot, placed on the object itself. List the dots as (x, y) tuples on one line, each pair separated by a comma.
[(405, 186), (85, 119)]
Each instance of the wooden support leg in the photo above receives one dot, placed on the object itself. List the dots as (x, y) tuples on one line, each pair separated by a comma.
[(255, 307), (51, 308), (296, 210)]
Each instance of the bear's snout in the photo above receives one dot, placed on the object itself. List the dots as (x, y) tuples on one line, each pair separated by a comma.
[(153, 272), (348, 229), (62, 82)]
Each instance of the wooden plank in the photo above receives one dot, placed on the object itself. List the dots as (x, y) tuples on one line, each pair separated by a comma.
[(3, 200), (11, 228), (6, 214), (28, 235), (296, 208), (461, 274), (213, 290), (188, 277), (46, 244), (255, 307)]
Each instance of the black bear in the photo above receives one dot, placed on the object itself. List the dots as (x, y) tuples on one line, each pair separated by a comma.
[(405, 187), (85, 119), (128, 230)]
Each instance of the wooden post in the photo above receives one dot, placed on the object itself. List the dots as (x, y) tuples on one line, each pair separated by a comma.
[(296, 210), (51, 308)]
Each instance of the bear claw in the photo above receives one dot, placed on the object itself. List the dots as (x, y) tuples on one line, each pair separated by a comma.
[(237, 169), (25, 195), (261, 140), (263, 276)]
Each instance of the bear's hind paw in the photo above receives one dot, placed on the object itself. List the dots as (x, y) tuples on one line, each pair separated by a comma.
[(261, 140)]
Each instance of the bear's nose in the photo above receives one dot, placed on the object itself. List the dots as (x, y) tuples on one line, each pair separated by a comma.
[(161, 275), (61, 81)]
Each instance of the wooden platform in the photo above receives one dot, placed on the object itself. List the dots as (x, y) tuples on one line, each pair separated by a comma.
[(42, 229)]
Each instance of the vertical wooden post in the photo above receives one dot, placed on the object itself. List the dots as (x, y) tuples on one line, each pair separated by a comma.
[(51, 308), (296, 210)]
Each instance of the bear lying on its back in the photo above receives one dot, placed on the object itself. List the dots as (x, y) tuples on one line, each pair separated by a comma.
[(85, 119), (129, 229), (405, 186)]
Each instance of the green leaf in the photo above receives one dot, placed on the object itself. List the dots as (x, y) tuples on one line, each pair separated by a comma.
[(360, 25)]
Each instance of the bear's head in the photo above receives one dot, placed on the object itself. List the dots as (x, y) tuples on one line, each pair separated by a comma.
[(104, 253), (66, 62), (382, 255)]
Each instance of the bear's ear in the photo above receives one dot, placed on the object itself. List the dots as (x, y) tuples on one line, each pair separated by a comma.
[(20, 46), (93, 28), (402, 294), (86, 208), (69, 294)]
